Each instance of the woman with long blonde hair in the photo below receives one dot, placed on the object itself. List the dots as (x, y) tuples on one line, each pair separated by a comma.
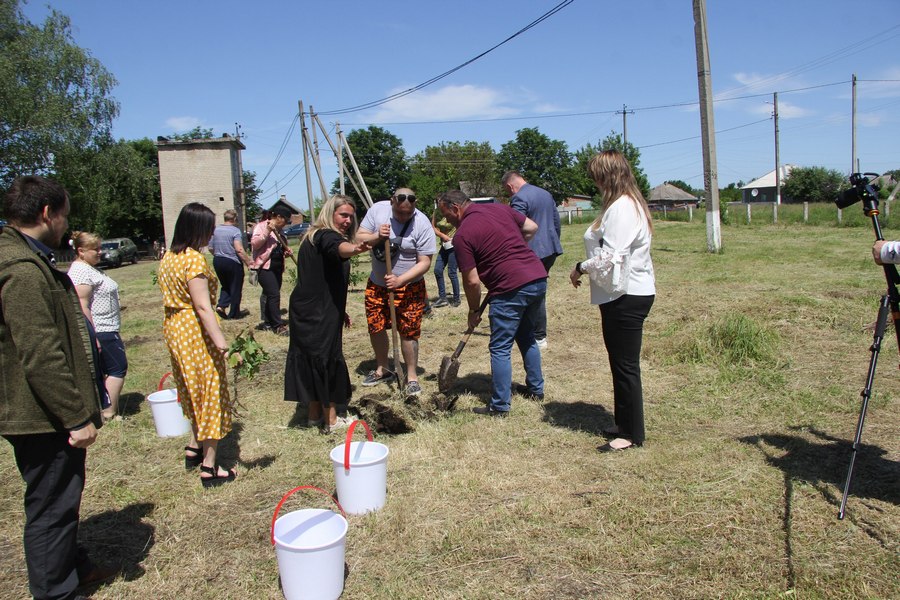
[(316, 374), (617, 245)]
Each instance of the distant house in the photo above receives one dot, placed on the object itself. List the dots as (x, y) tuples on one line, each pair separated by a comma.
[(484, 200), (297, 215), (763, 189), (575, 204), (669, 196)]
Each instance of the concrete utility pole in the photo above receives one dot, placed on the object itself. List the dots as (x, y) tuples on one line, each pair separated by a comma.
[(624, 112), (777, 159), (853, 166), (707, 127), (242, 195), (340, 156), (303, 141)]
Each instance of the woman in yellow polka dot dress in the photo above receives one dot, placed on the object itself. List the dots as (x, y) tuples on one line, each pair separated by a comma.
[(196, 344)]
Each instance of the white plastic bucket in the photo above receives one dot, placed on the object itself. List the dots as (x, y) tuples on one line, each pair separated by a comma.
[(360, 473), (309, 545), (166, 411)]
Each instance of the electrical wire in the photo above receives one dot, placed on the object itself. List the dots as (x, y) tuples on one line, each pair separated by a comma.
[(437, 78), (284, 144)]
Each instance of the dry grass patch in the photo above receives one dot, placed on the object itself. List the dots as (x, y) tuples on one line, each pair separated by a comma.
[(753, 362)]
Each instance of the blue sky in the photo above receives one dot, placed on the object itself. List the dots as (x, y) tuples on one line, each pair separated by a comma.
[(180, 64)]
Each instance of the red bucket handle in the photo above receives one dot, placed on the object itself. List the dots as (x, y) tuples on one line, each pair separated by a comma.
[(350, 437), (160, 386), (162, 381), (297, 489)]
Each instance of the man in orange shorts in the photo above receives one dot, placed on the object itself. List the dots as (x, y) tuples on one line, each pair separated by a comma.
[(398, 222)]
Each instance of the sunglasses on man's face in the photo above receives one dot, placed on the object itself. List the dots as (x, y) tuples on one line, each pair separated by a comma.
[(405, 197)]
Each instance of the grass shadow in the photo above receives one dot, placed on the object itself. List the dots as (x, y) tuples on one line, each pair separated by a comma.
[(120, 537), (228, 452), (578, 416)]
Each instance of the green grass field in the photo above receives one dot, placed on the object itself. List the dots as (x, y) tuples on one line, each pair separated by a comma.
[(753, 362)]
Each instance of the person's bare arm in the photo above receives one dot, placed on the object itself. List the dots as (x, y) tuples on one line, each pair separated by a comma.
[(198, 288)]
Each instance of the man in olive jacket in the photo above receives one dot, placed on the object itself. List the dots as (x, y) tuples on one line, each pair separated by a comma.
[(49, 401)]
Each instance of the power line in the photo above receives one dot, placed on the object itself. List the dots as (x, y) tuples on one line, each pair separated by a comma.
[(437, 78), (284, 143)]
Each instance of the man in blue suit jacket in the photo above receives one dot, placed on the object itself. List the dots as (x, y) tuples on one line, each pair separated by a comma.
[(538, 205)]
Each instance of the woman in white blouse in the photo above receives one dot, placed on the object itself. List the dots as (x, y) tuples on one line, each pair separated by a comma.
[(617, 246), (99, 296)]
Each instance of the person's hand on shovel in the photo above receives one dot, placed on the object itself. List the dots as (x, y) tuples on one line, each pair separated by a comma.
[(392, 282), (474, 318)]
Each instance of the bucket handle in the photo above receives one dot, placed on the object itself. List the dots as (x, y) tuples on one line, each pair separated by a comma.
[(163, 381), (297, 489), (350, 437)]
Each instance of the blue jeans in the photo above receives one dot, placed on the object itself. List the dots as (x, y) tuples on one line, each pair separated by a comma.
[(446, 258), (513, 318)]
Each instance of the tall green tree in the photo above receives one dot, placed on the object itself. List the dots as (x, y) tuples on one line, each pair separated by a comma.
[(813, 184), (114, 188), (542, 161), (252, 192), (437, 169), (614, 142), (54, 95), (381, 160), (731, 193)]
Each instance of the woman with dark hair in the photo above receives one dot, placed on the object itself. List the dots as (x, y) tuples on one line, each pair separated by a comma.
[(316, 374), (618, 262), (197, 347)]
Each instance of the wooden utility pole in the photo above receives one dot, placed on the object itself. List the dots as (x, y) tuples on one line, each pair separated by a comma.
[(315, 153), (303, 140), (339, 156), (707, 126), (777, 159), (624, 114)]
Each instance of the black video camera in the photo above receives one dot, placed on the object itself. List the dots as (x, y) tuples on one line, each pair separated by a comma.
[(861, 189)]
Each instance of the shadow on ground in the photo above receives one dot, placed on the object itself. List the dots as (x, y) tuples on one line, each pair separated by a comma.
[(578, 416), (874, 476), (120, 537)]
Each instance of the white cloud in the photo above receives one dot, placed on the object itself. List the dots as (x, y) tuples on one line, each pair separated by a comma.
[(182, 124), (786, 110), (870, 119), (452, 102), (882, 89)]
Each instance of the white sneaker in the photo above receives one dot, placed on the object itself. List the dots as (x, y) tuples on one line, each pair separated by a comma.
[(542, 343), (341, 423)]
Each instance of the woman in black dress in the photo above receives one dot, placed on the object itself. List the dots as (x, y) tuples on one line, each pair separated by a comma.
[(316, 374)]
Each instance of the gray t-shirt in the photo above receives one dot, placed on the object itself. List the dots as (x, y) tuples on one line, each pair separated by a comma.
[(418, 239), (222, 242)]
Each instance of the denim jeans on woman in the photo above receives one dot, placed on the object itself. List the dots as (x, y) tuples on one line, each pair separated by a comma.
[(513, 319), (446, 258)]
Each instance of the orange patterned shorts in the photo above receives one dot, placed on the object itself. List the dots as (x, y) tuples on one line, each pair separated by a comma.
[(409, 303)]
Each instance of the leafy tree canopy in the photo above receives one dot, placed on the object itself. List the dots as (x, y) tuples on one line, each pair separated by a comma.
[(813, 184), (614, 142), (252, 207), (197, 133), (444, 167), (541, 161), (114, 188), (381, 160), (54, 95)]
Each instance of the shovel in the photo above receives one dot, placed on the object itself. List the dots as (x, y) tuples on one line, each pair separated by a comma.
[(450, 364), (395, 337)]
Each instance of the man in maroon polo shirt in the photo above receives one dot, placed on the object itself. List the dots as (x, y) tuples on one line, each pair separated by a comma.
[(491, 244)]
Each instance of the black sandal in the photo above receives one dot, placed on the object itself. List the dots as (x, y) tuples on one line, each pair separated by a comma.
[(192, 462), (216, 479)]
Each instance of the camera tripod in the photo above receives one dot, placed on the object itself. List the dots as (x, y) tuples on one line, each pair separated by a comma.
[(863, 190)]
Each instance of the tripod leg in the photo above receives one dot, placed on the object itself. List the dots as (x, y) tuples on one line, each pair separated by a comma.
[(880, 326)]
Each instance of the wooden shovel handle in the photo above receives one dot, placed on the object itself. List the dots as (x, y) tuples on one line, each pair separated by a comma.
[(465, 340)]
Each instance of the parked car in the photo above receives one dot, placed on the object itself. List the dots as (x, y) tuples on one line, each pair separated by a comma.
[(115, 251), (295, 231)]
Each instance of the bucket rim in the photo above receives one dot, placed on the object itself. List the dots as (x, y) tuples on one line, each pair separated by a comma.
[(163, 396), (345, 526), (337, 455)]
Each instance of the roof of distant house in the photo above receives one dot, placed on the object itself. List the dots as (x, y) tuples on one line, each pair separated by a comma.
[(667, 191), (768, 180)]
